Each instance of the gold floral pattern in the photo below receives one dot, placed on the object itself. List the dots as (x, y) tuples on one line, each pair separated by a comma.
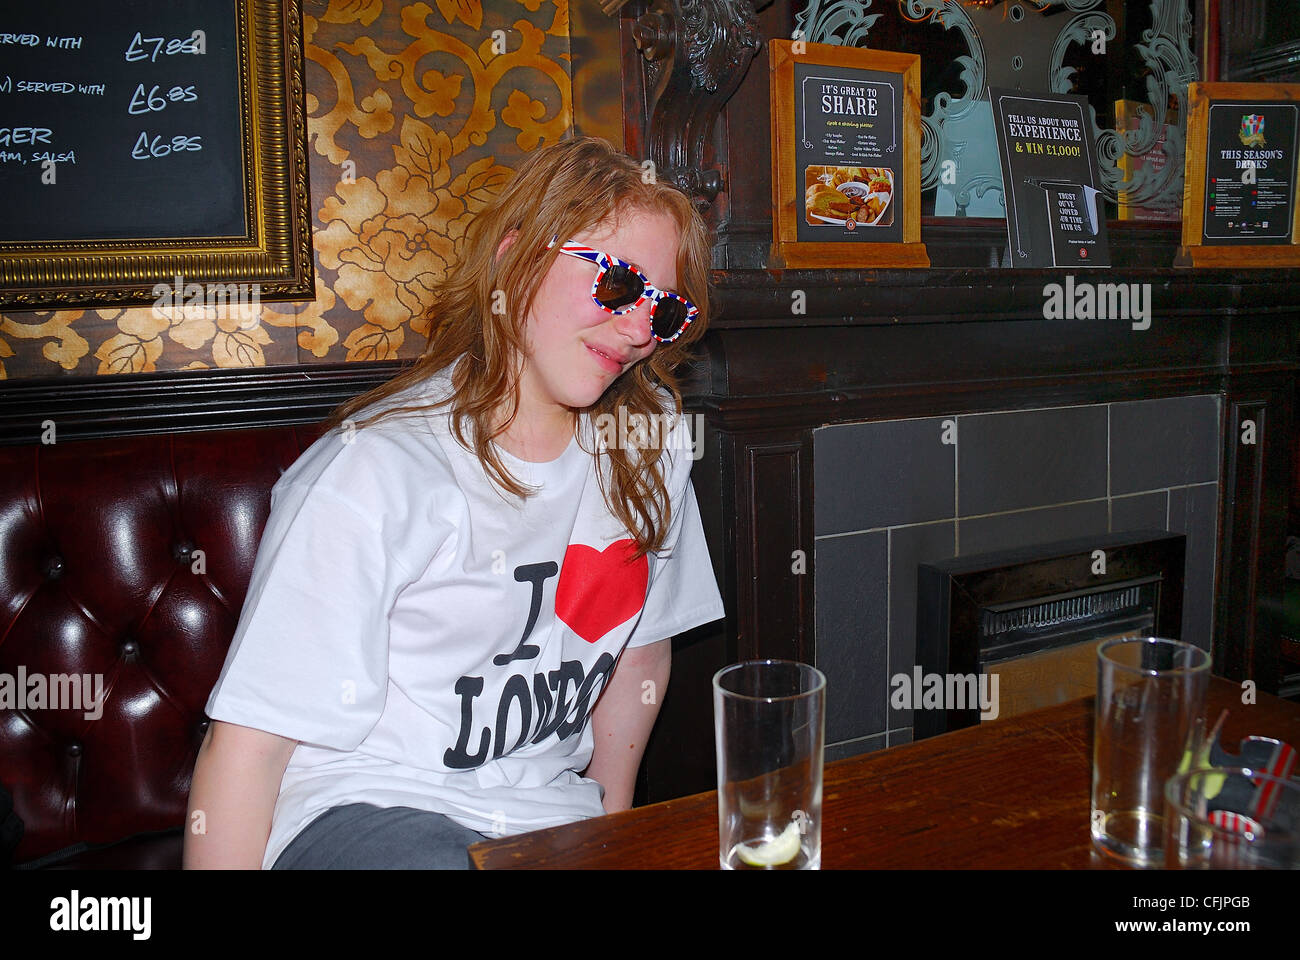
[(350, 11), (417, 113), (231, 336), (62, 345), (471, 11), (390, 239), (315, 334)]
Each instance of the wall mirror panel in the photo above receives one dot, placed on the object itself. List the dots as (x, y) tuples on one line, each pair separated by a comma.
[(1132, 59)]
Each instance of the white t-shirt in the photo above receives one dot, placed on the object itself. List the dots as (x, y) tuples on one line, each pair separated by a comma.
[(435, 643)]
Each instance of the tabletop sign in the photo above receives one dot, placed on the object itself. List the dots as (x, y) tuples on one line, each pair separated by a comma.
[(846, 157), (1129, 117), (1056, 217), (1239, 202), (138, 138)]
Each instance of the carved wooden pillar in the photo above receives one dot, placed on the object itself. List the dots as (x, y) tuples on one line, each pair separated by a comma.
[(696, 53)]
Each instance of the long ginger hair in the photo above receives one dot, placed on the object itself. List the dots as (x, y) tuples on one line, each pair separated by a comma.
[(560, 190)]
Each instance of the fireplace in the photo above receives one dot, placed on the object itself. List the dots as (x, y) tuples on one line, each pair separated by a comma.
[(1005, 632)]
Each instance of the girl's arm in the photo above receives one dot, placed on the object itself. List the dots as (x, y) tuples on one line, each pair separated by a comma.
[(623, 718), (236, 782)]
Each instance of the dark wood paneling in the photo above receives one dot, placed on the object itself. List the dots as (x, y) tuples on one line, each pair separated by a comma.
[(1252, 538), (88, 407), (774, 603), (1239, 538), (765, 298), (929, 399), (850, 362), (679, 755), (742, 213)]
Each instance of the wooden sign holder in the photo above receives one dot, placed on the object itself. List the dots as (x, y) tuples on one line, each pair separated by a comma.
[(787, 250), (1193, 253)]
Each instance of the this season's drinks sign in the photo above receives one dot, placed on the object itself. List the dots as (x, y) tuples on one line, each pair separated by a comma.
[(848, 153), (1055, 215), (1250, 165), (1239, 197)]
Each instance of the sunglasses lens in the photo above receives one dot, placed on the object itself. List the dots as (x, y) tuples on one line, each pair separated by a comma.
[(669, 315), (619, 287)]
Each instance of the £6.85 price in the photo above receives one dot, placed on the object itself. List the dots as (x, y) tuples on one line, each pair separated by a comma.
[(156, 100), (157, 146)]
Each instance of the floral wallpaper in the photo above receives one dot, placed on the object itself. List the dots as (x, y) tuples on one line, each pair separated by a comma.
[(416, 116)]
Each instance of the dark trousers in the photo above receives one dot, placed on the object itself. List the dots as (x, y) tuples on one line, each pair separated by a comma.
[(361, 836)]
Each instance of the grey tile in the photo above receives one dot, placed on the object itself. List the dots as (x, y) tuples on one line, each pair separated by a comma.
[(869, 475), (1030, 459), (1026, 528), (1163, 443), (1194, 511), (1143, 511), (851, 595), (896, 738), (909, 546), (854, 748)]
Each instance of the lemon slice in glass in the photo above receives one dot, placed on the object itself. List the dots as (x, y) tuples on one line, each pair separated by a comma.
[(772, 853)]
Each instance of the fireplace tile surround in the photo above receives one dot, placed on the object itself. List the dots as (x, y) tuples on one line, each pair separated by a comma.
[(894, 493)]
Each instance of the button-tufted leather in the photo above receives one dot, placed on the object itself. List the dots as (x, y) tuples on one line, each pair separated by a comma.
[(99, 543)]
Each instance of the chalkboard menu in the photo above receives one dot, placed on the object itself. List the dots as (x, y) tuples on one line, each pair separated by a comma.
[(846, 148), (1056, 217), (147, 142), (120, 120)]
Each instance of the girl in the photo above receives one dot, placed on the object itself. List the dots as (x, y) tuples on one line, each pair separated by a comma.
[(466, 588)]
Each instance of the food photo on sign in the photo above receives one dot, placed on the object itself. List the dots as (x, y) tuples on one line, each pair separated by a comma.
[(840, 196)]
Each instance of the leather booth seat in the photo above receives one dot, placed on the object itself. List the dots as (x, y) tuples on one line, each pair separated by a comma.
[(124, 561)]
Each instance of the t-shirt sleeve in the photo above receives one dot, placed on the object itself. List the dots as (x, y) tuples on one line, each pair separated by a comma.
[(683, 592), (309, 659)]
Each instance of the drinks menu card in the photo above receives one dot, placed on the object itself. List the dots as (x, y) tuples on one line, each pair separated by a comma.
[(1249, 173), (1239, 200)]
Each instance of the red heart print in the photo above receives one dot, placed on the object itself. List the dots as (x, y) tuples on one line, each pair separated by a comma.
[(598, 590)]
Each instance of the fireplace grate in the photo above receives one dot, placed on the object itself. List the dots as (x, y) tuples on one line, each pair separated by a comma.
[(1057, 612), (1034, 615), (1016, 630)]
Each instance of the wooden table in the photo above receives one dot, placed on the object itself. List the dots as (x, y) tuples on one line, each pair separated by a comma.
[(1010, 793)]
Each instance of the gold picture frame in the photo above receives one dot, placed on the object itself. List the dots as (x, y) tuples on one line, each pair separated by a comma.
[(787, 189), (1194, 252), (275, 250)]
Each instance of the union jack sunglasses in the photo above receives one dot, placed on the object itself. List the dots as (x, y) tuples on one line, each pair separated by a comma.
[(621, 286)]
